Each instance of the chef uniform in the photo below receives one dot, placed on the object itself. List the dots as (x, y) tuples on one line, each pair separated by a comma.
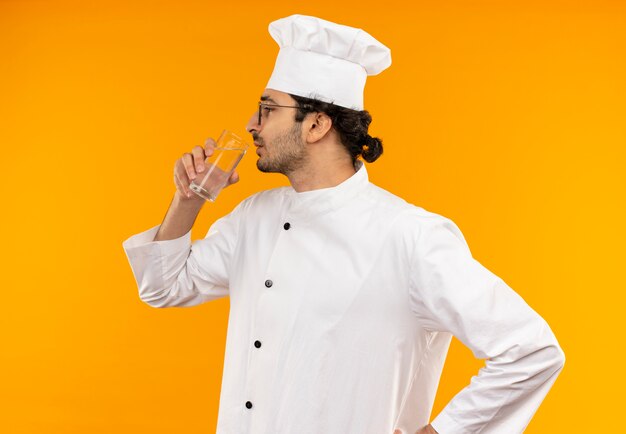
[(343, 301)]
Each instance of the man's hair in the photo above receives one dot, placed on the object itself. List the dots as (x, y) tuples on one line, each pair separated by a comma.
[(351, 125)]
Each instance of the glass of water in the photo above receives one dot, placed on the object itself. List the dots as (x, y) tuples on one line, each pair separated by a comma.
[(229, 151)]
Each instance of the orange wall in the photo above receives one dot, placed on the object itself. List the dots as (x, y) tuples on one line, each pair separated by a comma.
[(507, 117)]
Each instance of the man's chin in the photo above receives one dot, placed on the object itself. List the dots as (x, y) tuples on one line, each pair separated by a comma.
[(264, 167), (268, 169)]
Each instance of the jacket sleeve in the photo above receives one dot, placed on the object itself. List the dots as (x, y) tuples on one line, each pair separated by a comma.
[(450, 291), (181, 273)]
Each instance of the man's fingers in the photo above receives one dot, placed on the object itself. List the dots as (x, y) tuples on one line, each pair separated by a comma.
[(198, 158), (187, 161), (234, 177), (209, 146)]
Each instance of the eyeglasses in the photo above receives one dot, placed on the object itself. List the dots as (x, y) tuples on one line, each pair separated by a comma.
[(262, 105)]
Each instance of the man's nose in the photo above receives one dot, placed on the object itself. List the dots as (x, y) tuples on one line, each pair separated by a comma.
[(253, 123)]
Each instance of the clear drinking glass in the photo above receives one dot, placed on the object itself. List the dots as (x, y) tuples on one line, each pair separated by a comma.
[(229, 151)]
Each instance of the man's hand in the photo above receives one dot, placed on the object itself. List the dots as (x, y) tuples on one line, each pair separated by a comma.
[(186, 205), (428, 429), (191, 165)]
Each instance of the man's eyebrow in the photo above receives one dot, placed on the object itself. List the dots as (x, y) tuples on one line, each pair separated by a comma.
[(267, 98)]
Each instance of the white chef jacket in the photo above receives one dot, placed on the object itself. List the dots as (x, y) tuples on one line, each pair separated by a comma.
[(343, 301)]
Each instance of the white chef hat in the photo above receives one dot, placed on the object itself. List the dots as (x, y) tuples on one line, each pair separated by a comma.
[(324, 60)]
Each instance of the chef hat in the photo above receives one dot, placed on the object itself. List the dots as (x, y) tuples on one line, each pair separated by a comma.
[(323, 60)]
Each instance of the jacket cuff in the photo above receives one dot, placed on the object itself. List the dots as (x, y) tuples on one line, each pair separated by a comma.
[(444, 424), (143, 244)]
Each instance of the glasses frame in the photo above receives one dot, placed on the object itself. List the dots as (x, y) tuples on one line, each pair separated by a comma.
[(261, 104)]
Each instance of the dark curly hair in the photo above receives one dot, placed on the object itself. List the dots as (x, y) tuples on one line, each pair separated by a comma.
[(351, 125)]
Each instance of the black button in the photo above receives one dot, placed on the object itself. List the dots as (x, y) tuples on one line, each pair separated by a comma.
[(248, 404), (286, 226), (268, 283), (257, 344)]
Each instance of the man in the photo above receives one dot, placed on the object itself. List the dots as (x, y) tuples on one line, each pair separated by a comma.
[(343, 296)]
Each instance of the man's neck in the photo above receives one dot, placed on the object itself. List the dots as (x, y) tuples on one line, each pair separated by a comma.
[(317, 176)]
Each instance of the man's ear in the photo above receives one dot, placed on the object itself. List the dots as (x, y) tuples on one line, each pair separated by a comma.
[(319, 126)]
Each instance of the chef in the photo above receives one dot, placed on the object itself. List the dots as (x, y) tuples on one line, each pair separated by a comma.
[(343, 296)]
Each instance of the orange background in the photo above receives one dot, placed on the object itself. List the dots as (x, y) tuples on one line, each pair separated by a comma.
[(507, 117)]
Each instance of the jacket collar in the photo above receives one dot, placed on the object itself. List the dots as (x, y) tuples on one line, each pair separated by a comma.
[(315, 202)]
